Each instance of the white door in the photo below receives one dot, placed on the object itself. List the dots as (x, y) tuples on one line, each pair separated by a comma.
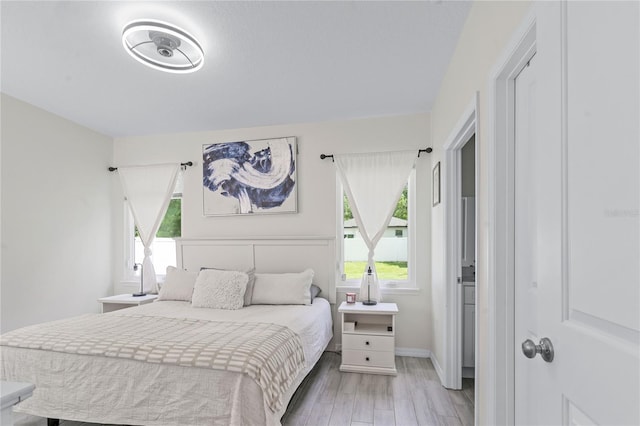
[(577, 252), (530, 375)]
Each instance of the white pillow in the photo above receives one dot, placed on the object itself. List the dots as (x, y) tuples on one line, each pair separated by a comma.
[(219, 289), (283, 289), (178, 285)]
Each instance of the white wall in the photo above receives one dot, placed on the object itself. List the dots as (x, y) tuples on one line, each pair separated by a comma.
[(56, 222), (316, 192), (487, 31)]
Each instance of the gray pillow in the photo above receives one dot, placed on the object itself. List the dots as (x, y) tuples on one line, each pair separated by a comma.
[(315, 291)]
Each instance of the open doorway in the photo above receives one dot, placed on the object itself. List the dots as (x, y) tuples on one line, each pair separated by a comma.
[(467, 271), (460, 190)]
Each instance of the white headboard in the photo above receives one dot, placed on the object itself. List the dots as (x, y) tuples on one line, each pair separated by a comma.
[(266, 254)]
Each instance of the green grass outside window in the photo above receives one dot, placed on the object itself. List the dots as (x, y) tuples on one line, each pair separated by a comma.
[(391, 271)]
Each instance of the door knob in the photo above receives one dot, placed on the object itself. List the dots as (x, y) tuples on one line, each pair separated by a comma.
[(545, 349)]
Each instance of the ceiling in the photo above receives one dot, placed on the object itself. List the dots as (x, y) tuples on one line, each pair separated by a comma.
[(266, 63)]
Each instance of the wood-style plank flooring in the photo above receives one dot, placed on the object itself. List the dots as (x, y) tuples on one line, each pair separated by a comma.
[(413, 397), (328, 397)]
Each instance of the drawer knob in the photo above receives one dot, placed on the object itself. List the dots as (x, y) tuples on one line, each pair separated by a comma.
[(366, 343), (366, 359)]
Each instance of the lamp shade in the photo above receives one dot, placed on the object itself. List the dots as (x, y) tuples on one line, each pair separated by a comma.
[(370, 287)]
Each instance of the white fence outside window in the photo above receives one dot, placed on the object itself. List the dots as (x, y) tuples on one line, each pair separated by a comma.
[(392, 249)]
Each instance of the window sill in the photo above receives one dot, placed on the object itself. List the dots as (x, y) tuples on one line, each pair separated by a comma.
[(136, 280), (385, 290)]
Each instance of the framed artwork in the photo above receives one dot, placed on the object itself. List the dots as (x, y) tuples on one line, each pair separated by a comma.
[(435, 182), (249, 177)]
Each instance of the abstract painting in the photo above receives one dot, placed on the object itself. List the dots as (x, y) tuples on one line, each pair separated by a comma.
[(249, 177)]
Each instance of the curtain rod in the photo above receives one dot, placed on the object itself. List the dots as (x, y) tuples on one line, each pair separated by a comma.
[(183, 165), (427, 150)]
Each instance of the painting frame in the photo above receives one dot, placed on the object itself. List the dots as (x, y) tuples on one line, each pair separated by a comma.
[(435, 184), (250, 177)]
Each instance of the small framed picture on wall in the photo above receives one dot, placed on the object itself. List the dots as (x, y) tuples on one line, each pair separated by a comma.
[(435, 182)]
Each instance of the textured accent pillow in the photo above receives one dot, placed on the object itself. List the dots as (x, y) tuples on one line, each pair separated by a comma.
[(178, 285), (252, 279), (283, 289), (219, 289)]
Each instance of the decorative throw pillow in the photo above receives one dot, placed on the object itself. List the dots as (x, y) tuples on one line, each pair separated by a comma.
[(219, 289), (283, 289), (252, 279), (178, 285)]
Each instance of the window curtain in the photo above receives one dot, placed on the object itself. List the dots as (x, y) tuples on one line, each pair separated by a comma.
[(373, 183), (148, 190)]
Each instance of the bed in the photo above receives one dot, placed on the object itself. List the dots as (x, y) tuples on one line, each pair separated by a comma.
[(168, 363)]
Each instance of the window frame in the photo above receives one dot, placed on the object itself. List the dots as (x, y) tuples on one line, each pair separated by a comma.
[(387, 286)]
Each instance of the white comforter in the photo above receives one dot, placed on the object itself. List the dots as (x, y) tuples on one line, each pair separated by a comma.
[(107, 390)]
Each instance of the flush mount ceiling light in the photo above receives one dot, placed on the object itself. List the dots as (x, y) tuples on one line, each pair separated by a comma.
[(162, 46)]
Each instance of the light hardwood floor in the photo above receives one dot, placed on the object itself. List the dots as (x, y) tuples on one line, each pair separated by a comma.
[(328, 397)]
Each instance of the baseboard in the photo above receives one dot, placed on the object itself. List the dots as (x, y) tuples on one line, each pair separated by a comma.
[(413, 352), (438, 369)]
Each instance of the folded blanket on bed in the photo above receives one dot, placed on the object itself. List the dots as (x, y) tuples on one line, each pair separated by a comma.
[(270, 354)]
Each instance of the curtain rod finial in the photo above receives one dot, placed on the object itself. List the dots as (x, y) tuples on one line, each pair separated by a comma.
[(323, 156), (428, 150)]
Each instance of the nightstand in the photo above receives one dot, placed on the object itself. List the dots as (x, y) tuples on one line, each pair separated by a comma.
[(368, 338), (121, 301)]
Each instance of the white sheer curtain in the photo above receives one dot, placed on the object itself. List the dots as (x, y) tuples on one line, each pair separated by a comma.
[(148, 190), (373, 183)]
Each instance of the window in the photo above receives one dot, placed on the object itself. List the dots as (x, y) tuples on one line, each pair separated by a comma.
[(393, 252), (163, 246)]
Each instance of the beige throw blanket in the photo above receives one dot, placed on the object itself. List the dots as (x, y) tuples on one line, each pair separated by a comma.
[(270, 354)]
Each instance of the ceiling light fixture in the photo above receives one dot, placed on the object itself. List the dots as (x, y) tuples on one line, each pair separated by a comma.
[(162, 46)]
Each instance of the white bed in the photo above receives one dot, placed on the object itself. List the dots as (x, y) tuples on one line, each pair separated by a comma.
[(96, 388)]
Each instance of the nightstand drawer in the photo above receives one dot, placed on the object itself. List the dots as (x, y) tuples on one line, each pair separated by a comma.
[(367, 343), (368, 358)]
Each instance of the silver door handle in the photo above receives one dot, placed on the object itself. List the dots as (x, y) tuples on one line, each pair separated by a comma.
[(545, 349)]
